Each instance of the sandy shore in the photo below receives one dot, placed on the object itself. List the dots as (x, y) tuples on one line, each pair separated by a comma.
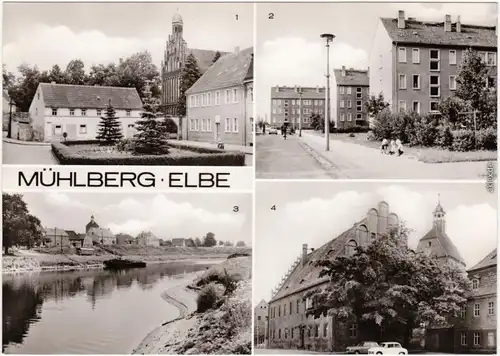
[(165, 338)]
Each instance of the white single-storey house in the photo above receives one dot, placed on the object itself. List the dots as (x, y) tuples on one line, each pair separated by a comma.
[(77, 110)]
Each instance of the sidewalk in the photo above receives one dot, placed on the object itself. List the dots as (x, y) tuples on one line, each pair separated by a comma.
[(25, 143), (227, 147), (349, 160)]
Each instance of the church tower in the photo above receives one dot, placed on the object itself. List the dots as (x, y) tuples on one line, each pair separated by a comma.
[(439, 217), (177, 25)]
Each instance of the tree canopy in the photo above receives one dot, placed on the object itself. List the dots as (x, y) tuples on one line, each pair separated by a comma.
[(387, 284), (109, 127), (209, 240), (376, 104), (190, 74)]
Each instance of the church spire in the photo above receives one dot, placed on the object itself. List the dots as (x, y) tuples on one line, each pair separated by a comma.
[(439, 215)]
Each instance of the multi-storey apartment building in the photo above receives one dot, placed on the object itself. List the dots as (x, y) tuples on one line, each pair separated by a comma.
[(219, 104), (352, 94), (286, 103), (77, 110), (414, 63)]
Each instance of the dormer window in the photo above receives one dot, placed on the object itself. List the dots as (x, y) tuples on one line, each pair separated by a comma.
[(475, 283), (71, 112), (84, 112), (54, 112), (128, 112)]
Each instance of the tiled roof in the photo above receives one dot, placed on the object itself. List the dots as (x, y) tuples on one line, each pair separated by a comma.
[(230, 70), (249, 76), (352, 77), (73, 235), (432, 33), (303, 277), (89, 97), (448, 247), (488, 261), (308, 93), (55, 231), (100, 232), (147, 235), (204, 57)]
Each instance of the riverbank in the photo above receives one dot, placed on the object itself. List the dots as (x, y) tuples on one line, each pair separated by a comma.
[(224, 327)]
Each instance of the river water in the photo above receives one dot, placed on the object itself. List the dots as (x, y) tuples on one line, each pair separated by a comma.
[(87, 312)]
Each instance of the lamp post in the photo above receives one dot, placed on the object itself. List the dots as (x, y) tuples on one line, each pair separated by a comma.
[(329, 38), (300, 112), (9, 130)]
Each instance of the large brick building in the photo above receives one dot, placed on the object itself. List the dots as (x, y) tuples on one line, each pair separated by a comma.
[(286, 104), (289, 327), (352, 95), (174, 60), (414, 63)]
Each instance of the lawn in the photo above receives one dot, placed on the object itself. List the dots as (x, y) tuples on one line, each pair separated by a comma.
[(93, 150), (423, 154)]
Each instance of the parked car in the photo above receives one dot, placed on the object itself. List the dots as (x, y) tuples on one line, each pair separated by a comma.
[(273, 131), (362, 347), (388, 348)]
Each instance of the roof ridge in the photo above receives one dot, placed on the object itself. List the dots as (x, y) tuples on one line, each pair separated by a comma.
[(430, 22), (86, 85)]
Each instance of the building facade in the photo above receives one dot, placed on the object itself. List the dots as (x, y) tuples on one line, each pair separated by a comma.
[(174, 60), (101, 236), (179, 242), (289, 326), (414, 63), (291, 104), (77, 110), (260, 322), (219, 104), (148, 239), (55, 237), (352, 95)]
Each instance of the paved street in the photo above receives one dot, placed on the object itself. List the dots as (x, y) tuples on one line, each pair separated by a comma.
[(350, 160), (13, 153), (279, 158), (304, 352)]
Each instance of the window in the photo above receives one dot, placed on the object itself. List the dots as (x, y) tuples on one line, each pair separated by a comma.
[(353, 330), (342, 103), (491, 82), (325, 329), (284, 311), (228, 96), (209, 99), (54, 112), (209, 124), (491, 59), (415, 55), (197, 124), (415, 81), (84, 112), (279, 334), (203, 124), (475, 283), (402, 55), (342, 90), (298, 306), (348, 90), (416, 107), (477, 339), (434, 60), (83, 129), (434, 86), (342, 117), (349, 104), (402, 106), (350, 248), (131, 126), (235, 95), (433, 106), (358, 93), (279, 310), (128, 112), (72, 112), (463, 339), (491, 308), (227, 126), (483, 56), (359, 116), (291, 336), (453, 57), (476, 309), (191, 101), (402, 81), (217, 98), (38, 95), (359, 107), (349, 117), (198, 101), (453, 82), (491, 339), (58, 130), (251, 94), (36, 111), (463, 311), (290, 310)]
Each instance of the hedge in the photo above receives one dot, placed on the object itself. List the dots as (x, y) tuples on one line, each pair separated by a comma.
[(207, 157), (352, 129)]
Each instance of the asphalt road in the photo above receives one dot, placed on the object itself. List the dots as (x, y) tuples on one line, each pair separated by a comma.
[(13, 153), (277, 158), (305, 352)]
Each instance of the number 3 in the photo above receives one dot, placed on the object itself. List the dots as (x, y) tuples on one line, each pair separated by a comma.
[(236, 209)]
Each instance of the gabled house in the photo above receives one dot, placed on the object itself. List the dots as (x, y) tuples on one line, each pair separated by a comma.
[(219, 104), (76, 110), (55, 237), (101, 236), (148, 239)]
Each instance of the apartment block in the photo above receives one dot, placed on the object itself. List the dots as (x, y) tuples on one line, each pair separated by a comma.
[(352, 94)]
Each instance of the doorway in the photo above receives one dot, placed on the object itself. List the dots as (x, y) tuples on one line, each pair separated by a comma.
[(217, 132)]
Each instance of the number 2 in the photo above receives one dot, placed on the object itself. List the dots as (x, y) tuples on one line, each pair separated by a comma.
[(271, 16)]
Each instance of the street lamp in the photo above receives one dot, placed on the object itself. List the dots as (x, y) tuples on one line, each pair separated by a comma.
[(329, 38), (300, 112)]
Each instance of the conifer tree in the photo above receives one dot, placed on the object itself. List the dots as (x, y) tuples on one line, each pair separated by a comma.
[(110, 131), (151, 137), (216, 57), (190, 74)]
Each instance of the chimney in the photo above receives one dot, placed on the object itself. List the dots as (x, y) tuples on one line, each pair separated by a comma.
[(459, 25), (296, 89), (304, 254), (401, 19), (447, 23), (317, 89), (236, 49), (277, 88), (343, 71)]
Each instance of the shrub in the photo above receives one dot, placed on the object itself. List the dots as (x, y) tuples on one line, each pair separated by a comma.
[(353, 129), (445, 137), (207, 157), (463, 140), (207, 298), (486, 139), (426, 131), (382, 125), (126, 144)]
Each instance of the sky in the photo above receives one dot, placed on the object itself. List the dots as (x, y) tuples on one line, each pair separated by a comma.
[(317, 213), (166, 215), (289, 50), (99, 33)]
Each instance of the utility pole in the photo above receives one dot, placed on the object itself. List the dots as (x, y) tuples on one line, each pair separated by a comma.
[(9, 132)]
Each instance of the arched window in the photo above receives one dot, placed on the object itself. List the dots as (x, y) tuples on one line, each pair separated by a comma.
[(362, 235), (372, 222), (350, 248)]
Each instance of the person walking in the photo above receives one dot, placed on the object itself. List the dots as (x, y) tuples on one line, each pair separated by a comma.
[(283, 129)]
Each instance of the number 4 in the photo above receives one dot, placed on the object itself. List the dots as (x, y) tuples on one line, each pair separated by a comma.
[(273, 207)]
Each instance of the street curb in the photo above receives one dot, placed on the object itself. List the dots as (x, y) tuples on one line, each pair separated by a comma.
[(331, 168), (26, 143)]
